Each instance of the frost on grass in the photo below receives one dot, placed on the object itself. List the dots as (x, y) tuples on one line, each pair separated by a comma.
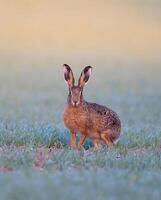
[(34, 149)]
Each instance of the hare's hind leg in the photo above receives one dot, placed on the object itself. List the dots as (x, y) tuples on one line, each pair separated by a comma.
[(73, 140), (105, 137), (81, 141)]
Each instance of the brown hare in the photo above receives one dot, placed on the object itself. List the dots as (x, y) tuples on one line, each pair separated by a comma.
[(99, 123)]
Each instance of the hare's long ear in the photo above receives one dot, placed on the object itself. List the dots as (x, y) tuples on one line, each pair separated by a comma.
[(84, 77), (68, 75)]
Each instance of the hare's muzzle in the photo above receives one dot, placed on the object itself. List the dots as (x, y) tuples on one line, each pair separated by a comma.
[(75, 103)]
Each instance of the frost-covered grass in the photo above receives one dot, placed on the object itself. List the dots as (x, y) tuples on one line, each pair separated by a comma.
[(34, 143)]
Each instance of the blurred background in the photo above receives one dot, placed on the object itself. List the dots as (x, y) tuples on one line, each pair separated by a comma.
[(120, 39), (80, 31)]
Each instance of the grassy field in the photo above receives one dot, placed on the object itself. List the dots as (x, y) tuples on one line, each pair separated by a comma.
[(35, 160)]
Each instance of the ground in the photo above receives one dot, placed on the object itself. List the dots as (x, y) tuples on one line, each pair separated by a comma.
[(35, 159)]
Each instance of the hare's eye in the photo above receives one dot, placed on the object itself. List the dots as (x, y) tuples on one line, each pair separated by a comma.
[(70, 93)]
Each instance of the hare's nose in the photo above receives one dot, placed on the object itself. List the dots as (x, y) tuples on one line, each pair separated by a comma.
[(75, 103)]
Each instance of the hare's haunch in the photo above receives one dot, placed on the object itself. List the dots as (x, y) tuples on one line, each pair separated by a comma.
[(99, 123)]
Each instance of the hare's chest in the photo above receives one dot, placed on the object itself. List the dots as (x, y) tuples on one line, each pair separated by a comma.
[(75, 119)]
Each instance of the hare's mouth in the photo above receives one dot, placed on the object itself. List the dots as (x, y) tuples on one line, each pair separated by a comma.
[(75, 104)]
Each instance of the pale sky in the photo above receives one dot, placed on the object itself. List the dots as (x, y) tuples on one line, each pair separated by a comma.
[(81, 26)]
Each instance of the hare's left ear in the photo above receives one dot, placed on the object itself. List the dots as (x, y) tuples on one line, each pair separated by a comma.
[(84, 77), (68, 75)]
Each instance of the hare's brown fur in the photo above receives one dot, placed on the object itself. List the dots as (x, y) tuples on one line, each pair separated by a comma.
[(91, 120)]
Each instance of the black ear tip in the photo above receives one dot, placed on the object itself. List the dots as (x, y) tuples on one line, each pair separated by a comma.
[(67, 67), (87, 68)]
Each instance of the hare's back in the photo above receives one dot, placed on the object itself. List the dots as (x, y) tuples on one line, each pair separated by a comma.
[(103, 118)]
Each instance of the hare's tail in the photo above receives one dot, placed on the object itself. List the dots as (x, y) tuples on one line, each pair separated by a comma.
[(116, 141), (115, 137)]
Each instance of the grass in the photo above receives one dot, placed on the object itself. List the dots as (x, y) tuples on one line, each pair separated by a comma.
[(35, 159)]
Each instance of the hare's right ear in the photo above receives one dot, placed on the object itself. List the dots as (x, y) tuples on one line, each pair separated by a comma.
[(68, 75), (84, 77)]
